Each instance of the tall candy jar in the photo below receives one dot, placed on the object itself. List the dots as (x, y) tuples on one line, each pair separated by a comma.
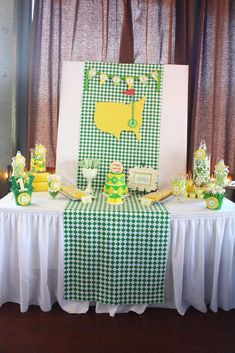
[(221, 174), (201, 165)]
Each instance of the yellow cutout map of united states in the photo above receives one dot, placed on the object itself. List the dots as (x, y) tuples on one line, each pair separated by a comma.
[(113, 117)]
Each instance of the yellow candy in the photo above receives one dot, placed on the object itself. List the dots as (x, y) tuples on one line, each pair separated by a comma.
[(190, 186), (38, 177), (117, 201), (192, 195), (40, 186)]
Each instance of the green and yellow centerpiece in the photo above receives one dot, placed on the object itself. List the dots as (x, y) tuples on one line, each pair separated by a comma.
[(201, 166), (115, 187), (21, 183), (221, 174), (54, 185), (178, 186), (214, 195), (38, 168), (22, 189)]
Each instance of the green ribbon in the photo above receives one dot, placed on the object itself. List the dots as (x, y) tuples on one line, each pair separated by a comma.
[(132, 122), (86, 80)]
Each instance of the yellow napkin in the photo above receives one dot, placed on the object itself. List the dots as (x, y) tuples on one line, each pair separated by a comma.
[(158, 195), (72, 192)]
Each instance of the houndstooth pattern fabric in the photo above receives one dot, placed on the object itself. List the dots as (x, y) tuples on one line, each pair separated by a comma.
[(115, 254), (94, 143)]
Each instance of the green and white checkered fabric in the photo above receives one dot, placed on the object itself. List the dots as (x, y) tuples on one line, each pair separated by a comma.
[(131, 152), (115, 254)]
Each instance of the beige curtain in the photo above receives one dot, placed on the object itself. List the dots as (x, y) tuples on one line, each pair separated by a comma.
[(200, 33), (213, 108), (88, 30), (66, 30)]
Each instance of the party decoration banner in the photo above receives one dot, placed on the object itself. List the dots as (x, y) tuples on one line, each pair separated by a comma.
[(121, 116)]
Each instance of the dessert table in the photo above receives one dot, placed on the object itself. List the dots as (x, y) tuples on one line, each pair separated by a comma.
[(200, 268)]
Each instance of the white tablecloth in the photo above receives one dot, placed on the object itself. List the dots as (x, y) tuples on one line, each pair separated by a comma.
[(200, 269)]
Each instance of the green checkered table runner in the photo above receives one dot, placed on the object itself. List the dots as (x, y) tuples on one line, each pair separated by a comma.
[(94, 143), (115, 254)]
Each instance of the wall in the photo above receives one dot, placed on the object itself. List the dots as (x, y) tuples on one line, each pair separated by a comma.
[(7, 81)]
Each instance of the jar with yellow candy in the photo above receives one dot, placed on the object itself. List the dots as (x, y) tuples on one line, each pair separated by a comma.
[(54, 185), (190, 186), (178, 186)]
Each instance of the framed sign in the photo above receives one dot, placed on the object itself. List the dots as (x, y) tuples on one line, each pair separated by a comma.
[(142, 179)]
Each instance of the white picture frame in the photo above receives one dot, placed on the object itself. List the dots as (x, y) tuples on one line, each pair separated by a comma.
[(142, 179)]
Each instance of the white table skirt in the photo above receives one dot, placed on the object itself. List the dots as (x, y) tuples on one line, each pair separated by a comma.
[(200, 268)]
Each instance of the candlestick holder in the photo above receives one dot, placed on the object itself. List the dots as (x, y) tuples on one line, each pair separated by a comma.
[(89, 174)]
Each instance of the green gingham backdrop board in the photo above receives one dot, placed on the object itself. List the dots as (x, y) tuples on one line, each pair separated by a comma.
[(97, 144), (115, 254)]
